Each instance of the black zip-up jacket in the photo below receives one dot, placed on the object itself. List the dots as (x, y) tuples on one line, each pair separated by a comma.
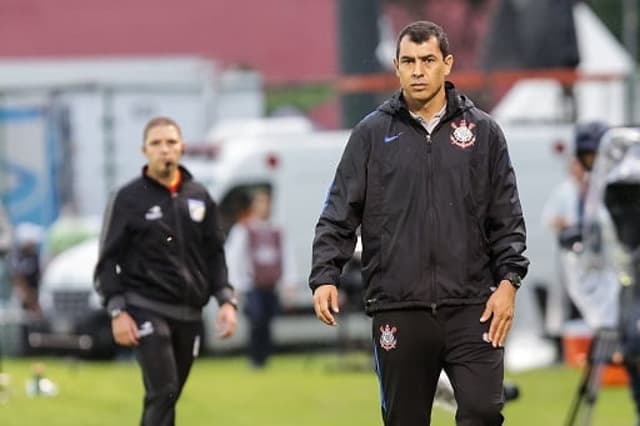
[(162, 251), (440, 217)]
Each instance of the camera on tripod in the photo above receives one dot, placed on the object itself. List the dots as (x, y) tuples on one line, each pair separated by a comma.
[(610, 263)]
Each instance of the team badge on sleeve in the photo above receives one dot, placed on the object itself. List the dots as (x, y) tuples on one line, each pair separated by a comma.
[(197, 209), (463, 135), (388, 337)]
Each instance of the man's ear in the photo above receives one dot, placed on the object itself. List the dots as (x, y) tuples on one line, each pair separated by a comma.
[(448, 61)]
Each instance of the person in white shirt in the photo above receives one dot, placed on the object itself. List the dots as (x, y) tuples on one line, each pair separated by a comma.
[(260, 265), (560, 215)]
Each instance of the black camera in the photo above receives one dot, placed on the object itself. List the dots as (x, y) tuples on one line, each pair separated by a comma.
[(623, 203), (570, 238)]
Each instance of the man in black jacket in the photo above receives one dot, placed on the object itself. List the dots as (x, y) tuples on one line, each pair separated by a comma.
[(161, 258), (428, 179)]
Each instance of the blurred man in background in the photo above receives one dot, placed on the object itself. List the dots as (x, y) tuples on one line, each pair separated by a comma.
[(6, 241), (427, 177), (24, 265), (590, 303), (563, 214), (259, 265), (161, 259)]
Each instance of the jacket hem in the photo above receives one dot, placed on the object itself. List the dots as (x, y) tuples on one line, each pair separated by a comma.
[(374, 308), (177, 312)]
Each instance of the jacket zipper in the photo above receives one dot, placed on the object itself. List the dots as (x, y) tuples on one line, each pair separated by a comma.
[(432, 220), (179, 235), (432, 253)]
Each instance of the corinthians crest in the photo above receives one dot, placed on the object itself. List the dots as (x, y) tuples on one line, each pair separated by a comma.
[(463, 135), (388, 337)]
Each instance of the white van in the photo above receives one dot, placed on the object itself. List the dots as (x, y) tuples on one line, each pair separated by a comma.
[(297, 167)]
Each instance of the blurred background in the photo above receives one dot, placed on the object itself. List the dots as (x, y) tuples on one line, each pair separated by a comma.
[(266, 93)]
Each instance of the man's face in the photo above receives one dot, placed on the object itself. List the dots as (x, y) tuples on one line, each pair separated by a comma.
[(163, 148), (587, 158), (421, 69), (261, 205)]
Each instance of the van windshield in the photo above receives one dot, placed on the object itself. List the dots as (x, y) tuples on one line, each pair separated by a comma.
[(234, 205)]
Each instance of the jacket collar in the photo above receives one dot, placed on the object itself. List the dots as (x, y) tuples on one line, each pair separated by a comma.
[(456, 102), (186, 176)]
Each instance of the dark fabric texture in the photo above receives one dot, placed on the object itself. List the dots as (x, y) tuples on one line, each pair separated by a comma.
[(439, 213), (411, 347), (261, 307), (162, 246), (165, 358)]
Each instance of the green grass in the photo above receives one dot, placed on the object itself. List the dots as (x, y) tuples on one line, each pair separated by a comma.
[(295, 390)]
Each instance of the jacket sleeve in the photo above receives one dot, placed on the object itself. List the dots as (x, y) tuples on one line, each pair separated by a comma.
[(214, 251), (335, 234), (114, 239), (505, 225)]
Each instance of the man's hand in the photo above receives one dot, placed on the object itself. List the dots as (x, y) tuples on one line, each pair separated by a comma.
[(125, 330), (325, 303), (226, 321), (500, 308)]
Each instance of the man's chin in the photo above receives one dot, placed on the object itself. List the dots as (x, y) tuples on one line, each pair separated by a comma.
[(421, 96), (164, 173)]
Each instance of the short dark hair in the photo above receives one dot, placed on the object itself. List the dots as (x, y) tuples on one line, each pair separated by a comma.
[(588, 135), (421, 31), (159, 121)]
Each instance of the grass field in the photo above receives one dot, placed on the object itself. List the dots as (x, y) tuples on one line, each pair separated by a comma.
[(295, 390)]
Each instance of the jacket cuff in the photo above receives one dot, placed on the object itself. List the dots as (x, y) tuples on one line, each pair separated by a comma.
[(504, 271), (323, 281), (226, 295), (116, 302)]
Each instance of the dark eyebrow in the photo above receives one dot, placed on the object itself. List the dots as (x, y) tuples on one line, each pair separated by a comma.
[(171, 140)]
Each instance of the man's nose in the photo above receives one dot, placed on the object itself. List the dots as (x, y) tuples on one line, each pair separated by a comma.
[(417, 70)]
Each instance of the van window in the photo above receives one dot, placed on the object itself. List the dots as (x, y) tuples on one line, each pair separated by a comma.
[(235, 203)]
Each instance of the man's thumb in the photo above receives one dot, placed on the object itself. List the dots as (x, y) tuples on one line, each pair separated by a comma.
[(486, 314), (334, 302)]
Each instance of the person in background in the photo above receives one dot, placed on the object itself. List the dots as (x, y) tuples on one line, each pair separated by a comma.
[(161, 259), (428, 180), (6, 242), (563, 214), (24, 265), (560, 217), (607, 267), (260, 265)]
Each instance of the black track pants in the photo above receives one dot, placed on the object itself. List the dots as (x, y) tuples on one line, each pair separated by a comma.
[(411, 347), (165, 357)]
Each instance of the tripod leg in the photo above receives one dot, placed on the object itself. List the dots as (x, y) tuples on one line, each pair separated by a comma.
[(593, 387), (580, 396), (586, 396)]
